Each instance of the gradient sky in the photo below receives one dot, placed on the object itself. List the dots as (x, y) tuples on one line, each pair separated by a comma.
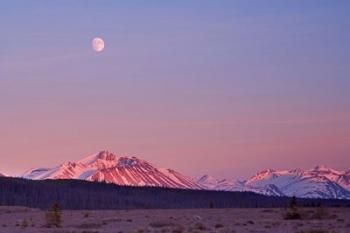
[(220, 87)]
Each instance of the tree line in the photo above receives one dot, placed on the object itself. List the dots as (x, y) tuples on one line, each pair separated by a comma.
[(77, 194)]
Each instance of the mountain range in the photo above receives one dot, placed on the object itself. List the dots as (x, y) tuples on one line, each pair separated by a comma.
[(107, 167), (318, 182)]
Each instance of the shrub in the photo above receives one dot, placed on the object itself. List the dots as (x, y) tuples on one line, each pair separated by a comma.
[(24, 223), (314, 231), (199, 226), (160, 224), (292, 215), (53, 216), (178, 230), (320, 213), (268, 211), (90, 225)]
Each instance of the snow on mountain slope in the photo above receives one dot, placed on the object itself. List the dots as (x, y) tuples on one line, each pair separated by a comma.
[(268, 189), (299, 183), (208, 182), (340, 177), (319, 182), (110, 168), (211, 183)]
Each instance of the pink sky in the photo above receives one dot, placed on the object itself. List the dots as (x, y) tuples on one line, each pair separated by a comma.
[(226, 90)]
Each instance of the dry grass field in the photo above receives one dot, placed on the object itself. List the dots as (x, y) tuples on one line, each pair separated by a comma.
[(20, 219)]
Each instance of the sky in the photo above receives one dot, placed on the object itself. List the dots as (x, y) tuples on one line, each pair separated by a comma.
[(225, 88)]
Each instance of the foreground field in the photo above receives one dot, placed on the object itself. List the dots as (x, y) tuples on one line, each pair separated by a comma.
[(19, 219)]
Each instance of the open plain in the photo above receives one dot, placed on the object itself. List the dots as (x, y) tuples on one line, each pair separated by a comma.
[(21, 219)]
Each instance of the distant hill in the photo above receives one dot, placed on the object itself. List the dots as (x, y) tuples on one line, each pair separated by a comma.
[(78, 194)]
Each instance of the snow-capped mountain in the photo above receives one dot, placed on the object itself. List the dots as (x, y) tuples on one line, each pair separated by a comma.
[(107, 167), (319, 182), (210, 182)]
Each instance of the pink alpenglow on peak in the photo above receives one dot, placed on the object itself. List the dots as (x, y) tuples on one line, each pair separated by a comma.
[(318, 182), (122, 170)]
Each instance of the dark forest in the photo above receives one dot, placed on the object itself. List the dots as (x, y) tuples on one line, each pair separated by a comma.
[(76, 194)]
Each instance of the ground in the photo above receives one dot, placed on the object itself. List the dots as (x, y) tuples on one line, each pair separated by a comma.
[(20, 219)]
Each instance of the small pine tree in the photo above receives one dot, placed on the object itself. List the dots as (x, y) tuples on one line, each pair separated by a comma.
[(293, 203), (293, 212), (53, 216)]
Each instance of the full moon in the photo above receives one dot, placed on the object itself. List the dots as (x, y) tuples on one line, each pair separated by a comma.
[(98, 44)]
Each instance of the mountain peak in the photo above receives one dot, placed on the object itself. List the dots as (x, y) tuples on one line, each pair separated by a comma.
[(208, 181), (267, 171), (263, 174), (106, 155), (207, 177), (325, 169), (107, 167), (321, 168)]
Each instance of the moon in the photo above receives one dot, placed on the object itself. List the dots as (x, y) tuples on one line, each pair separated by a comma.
[(98, 44)]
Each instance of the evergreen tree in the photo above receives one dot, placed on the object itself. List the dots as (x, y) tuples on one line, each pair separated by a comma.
[(293, 203), (53, 216)]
